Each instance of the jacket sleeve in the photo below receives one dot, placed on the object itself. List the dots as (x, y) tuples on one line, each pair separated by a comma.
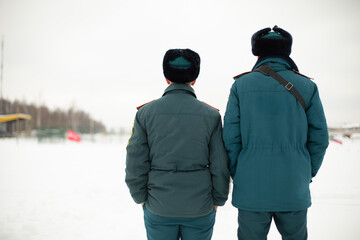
[(218, 159), (318, 136), (231, 132), (137, 163)]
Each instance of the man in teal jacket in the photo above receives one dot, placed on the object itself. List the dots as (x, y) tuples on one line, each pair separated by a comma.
[(176, 163), (275, 147)]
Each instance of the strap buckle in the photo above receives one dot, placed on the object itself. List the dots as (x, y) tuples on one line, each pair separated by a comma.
[(289, 86)]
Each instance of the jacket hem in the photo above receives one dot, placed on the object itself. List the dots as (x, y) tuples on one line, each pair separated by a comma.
[(272, 209), (180, 214)]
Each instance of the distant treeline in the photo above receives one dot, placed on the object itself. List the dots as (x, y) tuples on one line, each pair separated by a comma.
[(44, 118)]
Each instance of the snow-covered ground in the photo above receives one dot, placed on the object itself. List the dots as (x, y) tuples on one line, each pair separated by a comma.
[(76, 191)]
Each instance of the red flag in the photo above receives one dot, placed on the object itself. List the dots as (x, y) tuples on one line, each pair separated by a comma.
[(337, 141), (73, 136)]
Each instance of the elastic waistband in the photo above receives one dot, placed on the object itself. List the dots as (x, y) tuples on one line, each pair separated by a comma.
[(179, 170), (277, 146)]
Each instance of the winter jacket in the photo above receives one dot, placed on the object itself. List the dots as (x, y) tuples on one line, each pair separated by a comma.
[(176, 160), (275, 148)]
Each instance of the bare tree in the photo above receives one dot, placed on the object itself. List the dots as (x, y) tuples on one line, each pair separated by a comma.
[(44, 118)]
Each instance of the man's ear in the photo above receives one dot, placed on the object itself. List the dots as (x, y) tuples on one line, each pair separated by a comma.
[(167, 81), (193, 82)]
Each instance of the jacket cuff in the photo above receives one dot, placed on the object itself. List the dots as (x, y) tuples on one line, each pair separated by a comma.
[(139, 198), (219, 203)]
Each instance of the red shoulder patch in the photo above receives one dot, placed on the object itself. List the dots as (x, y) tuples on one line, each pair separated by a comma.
[(211, 106), (143, 105), (237, 76), (302, 74)]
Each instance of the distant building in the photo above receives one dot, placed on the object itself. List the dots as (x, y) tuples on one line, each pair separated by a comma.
[(13, 124)]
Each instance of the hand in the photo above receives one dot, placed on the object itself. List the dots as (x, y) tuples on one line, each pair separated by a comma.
[(215, 207)]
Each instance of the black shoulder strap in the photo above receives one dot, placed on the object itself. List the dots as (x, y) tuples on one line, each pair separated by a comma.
[(268, 71)]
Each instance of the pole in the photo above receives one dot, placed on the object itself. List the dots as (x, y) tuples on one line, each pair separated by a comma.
[(92, 129), (1, 74), (2, 126)]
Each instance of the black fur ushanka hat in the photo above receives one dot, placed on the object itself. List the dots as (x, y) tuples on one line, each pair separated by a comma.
[(264, 43), (181, 73)]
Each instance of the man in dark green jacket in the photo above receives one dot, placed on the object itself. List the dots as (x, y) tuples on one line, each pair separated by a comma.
[(275, 147), (176, 163)]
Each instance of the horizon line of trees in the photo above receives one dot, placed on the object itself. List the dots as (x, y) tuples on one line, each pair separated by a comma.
[(44, 118)]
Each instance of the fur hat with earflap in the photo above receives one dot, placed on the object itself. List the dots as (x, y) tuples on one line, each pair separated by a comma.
[(266, 42), (181, 65), (276, 43)]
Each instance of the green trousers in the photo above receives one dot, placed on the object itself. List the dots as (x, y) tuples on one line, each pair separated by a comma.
[(256, 225), (174, 228)]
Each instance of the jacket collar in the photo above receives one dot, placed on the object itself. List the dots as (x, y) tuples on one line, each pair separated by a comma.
[(177, 87), (276, 62)]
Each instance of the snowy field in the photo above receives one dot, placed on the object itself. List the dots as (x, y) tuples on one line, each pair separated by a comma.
[(76, 191)]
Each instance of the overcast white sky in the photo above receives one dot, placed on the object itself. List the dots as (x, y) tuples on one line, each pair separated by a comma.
[(105, 56)]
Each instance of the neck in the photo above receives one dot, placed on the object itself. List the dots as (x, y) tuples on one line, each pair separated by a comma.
[(188, 83)]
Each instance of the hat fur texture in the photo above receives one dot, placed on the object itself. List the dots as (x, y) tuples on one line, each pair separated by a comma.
[(266, 43), (180, 73)]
